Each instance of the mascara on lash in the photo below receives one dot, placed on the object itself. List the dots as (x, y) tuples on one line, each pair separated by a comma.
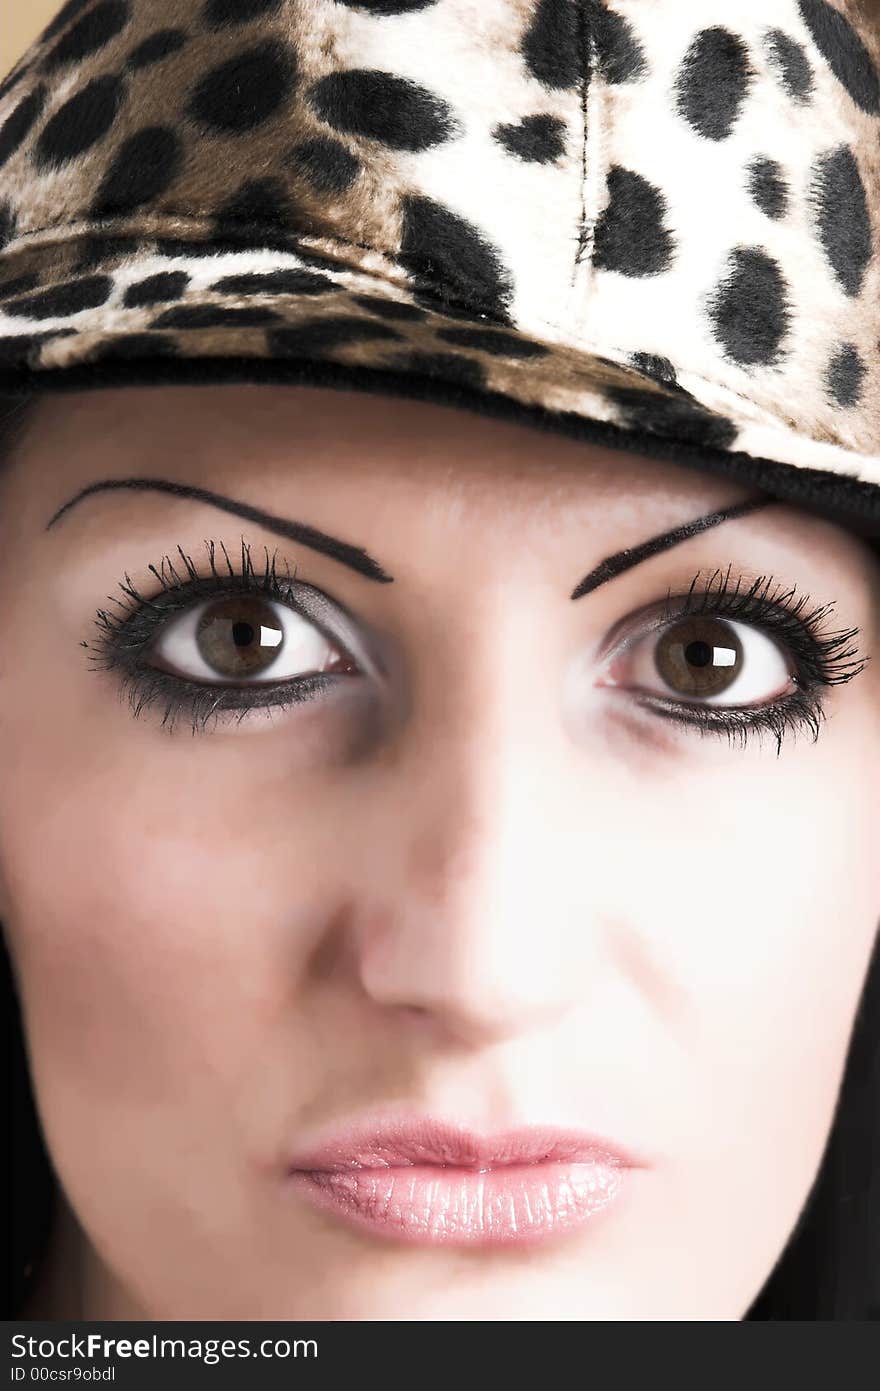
[(823, 659)]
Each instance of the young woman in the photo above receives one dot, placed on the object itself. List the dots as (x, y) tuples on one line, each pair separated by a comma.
[(439, 706), (390, 827)]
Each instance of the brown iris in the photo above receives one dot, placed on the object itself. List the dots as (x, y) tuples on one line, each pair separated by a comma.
[(239, 636), (699, 657)]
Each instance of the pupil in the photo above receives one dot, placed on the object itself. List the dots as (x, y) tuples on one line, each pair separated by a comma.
[(699, 654), (699, 657), (242, 634)]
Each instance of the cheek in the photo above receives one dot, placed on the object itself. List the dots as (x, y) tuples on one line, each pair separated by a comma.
[(160, 935), (765, 921), (753, 913)]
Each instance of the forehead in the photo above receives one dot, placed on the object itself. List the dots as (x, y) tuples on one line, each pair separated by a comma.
[(440, 497), (293, 437)]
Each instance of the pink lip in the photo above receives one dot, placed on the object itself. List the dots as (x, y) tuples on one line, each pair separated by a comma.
[(427, 1181)]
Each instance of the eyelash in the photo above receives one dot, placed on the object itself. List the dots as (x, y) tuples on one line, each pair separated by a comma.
[(823, 658), (122, 640)]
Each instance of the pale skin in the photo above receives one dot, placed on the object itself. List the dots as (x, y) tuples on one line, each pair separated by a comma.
[(486, 885)]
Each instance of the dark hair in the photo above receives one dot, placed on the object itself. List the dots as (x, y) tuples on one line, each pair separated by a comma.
[(32, 1196), (16, 413), (829, 1269)]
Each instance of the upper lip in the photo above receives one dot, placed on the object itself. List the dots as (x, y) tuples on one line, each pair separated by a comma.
[(425, 1140)]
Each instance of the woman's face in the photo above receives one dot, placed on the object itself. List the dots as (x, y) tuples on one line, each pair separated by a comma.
[(482, 875)]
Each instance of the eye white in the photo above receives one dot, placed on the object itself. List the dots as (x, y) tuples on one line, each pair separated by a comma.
[(302, 651), (764, 671)]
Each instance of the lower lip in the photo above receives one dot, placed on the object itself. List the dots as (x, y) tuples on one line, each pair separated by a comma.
[(445, 1205)]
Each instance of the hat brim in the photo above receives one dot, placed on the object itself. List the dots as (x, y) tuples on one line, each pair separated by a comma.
[(165, 311)]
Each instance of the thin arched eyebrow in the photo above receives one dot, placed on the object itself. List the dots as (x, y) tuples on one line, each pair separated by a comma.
[(615, 565), (359, 560), (355, 557)]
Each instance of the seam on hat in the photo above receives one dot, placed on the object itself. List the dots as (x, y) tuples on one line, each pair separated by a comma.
[(583, 45), (205, 218), (151, 227), (594, 181), (753, 414)]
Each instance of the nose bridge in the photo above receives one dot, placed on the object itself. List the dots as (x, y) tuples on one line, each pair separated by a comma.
[(477, 915)]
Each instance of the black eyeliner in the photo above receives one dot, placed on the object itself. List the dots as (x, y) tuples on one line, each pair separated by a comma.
[(122, 641), (823, 659)]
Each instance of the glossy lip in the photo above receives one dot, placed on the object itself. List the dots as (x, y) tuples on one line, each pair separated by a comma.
[(419, 1179), (426, 1140)]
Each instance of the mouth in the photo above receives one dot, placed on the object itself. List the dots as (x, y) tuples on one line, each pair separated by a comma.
[(428, 1182)]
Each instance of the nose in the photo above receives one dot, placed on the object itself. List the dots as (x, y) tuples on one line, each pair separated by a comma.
[(486, 882)]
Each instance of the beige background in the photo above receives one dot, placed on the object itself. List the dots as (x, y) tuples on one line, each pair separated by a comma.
[(20, 23), (22, 20)]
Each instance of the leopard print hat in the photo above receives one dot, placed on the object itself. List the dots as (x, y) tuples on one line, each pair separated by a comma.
[(653, 224)]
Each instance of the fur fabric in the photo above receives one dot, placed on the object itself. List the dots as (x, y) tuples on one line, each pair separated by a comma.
[(654, 223)]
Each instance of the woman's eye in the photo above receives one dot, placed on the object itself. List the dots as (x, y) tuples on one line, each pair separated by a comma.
[(714, 661), (246, 638)]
